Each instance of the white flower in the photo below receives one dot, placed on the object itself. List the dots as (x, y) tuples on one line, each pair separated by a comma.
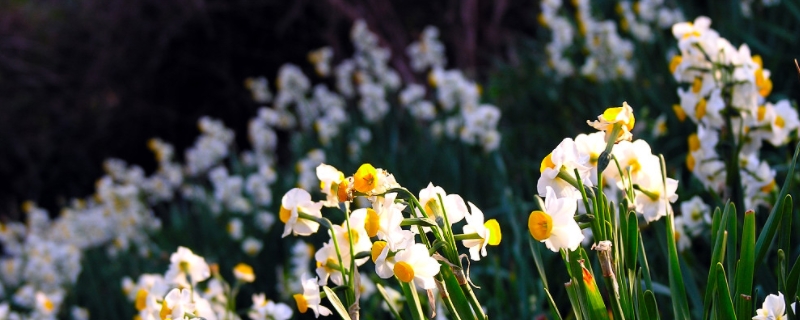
[(176, 304), (774, 308), (310, 298), (293, 202), (652, 200), (564, 158), (416, 264), (555, 226), (488, 231), (252, 246), (184, 263), (697, 214), (264, 309), (330, 178)]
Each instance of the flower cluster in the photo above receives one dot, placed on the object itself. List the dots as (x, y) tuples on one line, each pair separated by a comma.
[(376, 233), (608, 54), (191, 288), (726, 98), (606, 159), (371, 82)]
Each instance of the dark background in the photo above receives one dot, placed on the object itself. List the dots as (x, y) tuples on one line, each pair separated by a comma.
[(81, 81)]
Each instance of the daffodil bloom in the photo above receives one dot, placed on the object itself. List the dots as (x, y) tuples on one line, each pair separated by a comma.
[(330, 179), (652, 199), (622, 116), (177, 304), (384, 219), (453, 204), (785, 121), (45, 306), (264, 309), (635, 161), (310, 298), (354, 235), (365, 179), (244, 272), (416, 264), (697, 214), (774, 308), (561, 163), (681, 237), (489, 233), (556, 226), (328, 266), (184, 263), (293, 203)]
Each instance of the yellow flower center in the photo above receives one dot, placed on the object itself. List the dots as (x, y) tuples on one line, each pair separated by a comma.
[(341, 191), (540, 224), (697, 84), (694, 142), (432, 207), (372, 223), (673, 64), (758, 61), (779, 122), (404, 271), (285, 214), (48, 305), (542, 20), (366, 178), (547, 162), (328, 265), (351, 236), (679, 112), (761, 112), (377, 248), (700, 109), (610, 115), (763, 83), (494, 232), (141, 299), (690, 161), (302, 303), (165, 310), (769, 187), (635, 165), (244, 272)]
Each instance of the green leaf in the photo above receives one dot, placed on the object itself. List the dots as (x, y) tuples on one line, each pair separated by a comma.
[(553, 308), (631, 240), (650, 305), (717, 255), (771, 226), (386, 299), (724, 306), (337, 304), (746, 267)]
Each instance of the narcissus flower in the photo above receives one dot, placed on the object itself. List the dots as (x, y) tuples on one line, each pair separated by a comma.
[(619, 115), (564, 160), (416, 264), (177, 304), (330, 179), (653, 199), (774, 308), (296, 201), (489, 232), (244, 272), (264, 309), (310, 298), (365, 179), (184, 263), (555, 226)]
